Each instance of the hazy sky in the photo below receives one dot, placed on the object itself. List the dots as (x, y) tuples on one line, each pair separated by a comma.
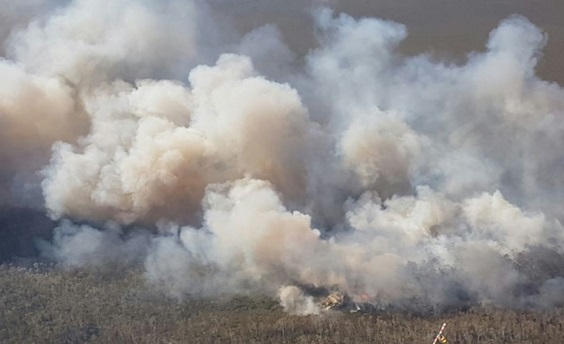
[(450, 28)]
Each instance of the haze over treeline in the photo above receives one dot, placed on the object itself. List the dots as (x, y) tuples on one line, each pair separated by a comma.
[(252, 147)]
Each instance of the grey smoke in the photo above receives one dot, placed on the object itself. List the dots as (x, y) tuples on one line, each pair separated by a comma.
[(401, 180)]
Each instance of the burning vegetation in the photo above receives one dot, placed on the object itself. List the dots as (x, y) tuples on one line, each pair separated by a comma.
[(157, 138)]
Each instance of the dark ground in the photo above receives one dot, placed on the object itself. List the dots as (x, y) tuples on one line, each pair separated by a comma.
[(19, 230)]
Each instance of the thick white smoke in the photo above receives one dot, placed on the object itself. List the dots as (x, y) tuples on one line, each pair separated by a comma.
[(400, 180)]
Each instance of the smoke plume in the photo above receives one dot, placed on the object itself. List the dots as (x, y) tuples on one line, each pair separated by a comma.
[(403, 181)]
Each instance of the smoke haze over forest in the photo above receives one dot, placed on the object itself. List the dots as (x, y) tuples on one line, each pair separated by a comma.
[(258, 147)]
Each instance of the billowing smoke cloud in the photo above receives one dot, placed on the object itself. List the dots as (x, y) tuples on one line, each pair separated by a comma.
[(73, 47), (399, 180)]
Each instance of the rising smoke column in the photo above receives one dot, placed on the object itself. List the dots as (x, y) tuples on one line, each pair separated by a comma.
[(400, 180)]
